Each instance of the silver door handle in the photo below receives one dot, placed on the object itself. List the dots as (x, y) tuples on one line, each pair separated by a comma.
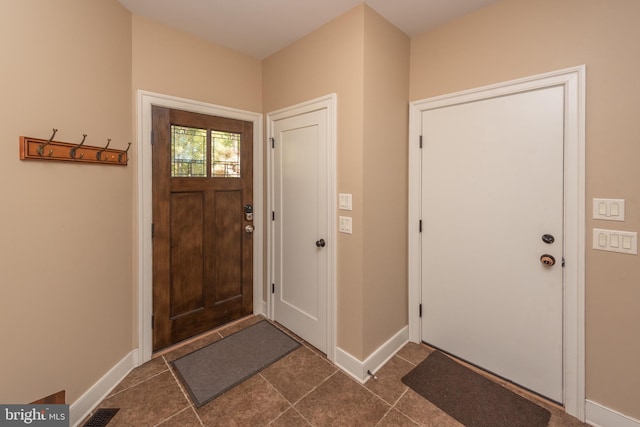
[(249, 229)]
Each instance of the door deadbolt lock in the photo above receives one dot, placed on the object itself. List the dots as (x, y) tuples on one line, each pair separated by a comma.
[(547, 259), (548, 239), (248, 213)]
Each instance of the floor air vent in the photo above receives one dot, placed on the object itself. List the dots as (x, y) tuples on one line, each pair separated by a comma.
[(102, 417)]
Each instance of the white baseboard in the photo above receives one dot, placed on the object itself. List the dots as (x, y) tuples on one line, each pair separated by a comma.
[(358, 369), (601, 416), (82, 407), (261, 309)]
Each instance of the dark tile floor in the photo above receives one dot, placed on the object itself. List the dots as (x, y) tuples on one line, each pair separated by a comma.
[(302, 389)]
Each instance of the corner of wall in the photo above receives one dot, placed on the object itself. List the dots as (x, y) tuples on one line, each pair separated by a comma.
[(360, 370), (82, 407)]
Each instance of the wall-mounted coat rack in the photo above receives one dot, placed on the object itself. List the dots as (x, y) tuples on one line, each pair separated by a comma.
[(42, 149)]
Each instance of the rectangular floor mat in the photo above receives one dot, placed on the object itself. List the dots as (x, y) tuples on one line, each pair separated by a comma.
[(471, 398), (212, 370)]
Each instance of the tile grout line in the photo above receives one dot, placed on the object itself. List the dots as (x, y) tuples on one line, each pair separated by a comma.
[(370, 391), (314, 388), (302, 415), (135, 385), (303, 343), (291, 407), (406, 390), (338, 370), (174, 415), (391, 404), (190, 404), (384, 416), (278, 392), (409, 361)]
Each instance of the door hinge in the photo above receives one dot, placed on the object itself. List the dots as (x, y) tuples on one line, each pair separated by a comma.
[(153, 321), (273, 142), (420, 310), (420, 141), (562, 262), (273, 288), (273, 215), (420, 226), (152, 138), (153, 230)]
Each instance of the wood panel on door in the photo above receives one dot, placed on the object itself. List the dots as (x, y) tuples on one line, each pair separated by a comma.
[(202, 239)]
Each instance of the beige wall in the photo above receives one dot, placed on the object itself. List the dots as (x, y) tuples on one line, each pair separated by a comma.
[(330, 60), (385, 188), (518, 38), (66, 271), (365, 61), (171, 62), (65, 245)]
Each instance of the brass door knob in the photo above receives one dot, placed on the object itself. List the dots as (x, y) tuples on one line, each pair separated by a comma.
[(547, 259)]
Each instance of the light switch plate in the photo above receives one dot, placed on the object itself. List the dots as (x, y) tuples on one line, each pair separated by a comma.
[(345, 225), (608, 209), (345, 201), (624, 242)]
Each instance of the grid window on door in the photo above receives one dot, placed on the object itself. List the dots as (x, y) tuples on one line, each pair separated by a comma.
[(225, 158), (188, 152), (192, 156)]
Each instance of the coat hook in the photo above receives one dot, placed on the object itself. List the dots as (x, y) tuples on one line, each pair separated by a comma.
[(72, 152), (41, 146), (99, 153), (123, 154)]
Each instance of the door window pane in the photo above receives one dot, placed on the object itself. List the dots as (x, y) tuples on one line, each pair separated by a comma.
[(225, 149), (188, 151)]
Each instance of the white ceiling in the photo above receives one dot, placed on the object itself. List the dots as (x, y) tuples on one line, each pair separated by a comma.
[(261, 27)]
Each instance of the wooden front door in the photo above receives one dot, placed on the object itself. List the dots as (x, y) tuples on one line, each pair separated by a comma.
[(202, 227)]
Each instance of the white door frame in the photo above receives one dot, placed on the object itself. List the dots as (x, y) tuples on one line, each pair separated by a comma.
[(144, 251), (328, 102), (573, 81)]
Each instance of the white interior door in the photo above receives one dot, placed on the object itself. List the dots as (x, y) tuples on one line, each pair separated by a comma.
[(302, 241), (492, 186)]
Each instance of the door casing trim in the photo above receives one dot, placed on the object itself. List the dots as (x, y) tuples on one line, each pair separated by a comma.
[(573, 81), (328, 102), (144, 251)]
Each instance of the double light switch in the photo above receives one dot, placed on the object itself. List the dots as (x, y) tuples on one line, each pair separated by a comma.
[(608, 209)]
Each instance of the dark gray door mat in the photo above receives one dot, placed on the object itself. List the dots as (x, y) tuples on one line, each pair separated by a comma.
[(218, 367)]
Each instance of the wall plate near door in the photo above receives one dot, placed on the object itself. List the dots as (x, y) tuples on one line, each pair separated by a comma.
[(346, 225), (624, 242), (608, 209)]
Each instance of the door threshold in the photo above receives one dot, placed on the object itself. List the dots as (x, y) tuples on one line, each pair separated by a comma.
[(194, 338)]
